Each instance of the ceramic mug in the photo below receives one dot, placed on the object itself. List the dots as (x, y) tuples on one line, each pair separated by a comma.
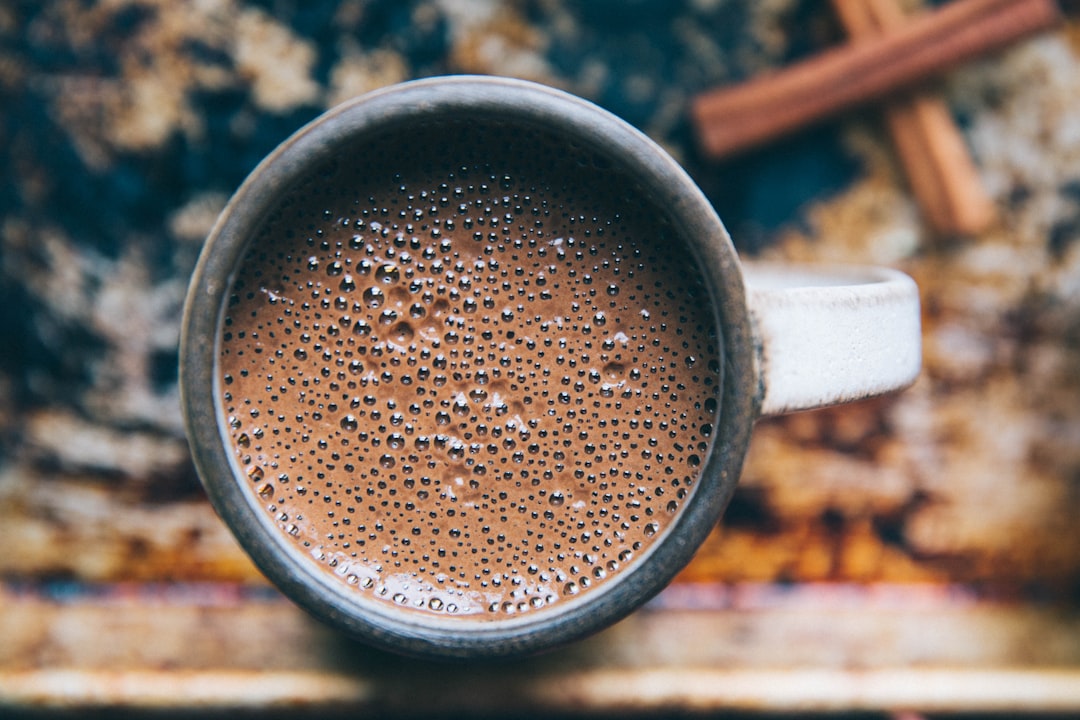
[(786, 339)]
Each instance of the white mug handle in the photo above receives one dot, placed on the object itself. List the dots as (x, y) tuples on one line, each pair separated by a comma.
[(826, 335)]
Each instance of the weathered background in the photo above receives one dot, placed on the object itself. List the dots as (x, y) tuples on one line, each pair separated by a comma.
[(125, 125)]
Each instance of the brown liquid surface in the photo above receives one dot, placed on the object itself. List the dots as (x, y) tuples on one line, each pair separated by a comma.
[(477, 385)]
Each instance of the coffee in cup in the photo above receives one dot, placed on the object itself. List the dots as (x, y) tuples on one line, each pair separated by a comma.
[(469, 366), (469, 372)]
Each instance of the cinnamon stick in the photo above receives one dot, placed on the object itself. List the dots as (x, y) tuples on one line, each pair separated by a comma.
[(939, 169), (733, 119)]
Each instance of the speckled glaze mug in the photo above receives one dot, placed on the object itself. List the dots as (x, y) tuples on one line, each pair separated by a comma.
[(469, 365)]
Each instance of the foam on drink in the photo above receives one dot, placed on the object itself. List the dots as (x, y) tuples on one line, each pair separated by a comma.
[(468, 373)]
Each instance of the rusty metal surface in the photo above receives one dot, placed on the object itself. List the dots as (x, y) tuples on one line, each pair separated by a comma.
[(747, 648), (127, 124)]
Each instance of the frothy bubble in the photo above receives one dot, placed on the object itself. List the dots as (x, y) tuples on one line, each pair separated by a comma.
[(470, 388)]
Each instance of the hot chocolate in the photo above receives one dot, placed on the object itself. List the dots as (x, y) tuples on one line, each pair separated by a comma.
[(468, 372)]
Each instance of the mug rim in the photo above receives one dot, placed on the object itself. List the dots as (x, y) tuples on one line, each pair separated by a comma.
[(570, 117)]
